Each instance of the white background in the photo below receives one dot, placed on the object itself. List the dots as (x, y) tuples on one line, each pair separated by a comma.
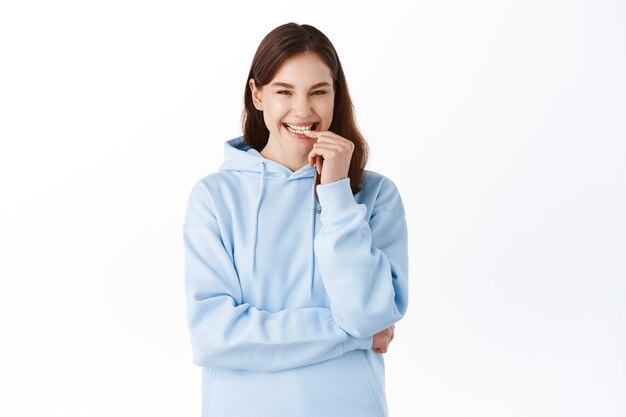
[(502, 123)]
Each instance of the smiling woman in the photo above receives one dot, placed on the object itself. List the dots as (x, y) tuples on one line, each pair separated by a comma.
[(296, 263), (298, 100)]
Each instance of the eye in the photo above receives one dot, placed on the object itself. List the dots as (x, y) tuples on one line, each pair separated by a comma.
[(285, 92), (319, 92)]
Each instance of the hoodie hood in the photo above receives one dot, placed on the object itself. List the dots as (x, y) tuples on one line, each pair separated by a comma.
[(242, 158)]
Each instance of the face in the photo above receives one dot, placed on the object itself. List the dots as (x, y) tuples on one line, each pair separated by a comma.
[(299, 97)]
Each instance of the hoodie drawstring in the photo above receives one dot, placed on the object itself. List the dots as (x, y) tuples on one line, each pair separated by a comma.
[(256, 222), (255, 236), (313, 210)]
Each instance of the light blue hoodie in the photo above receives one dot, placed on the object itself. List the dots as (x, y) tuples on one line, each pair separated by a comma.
[(282, 301)]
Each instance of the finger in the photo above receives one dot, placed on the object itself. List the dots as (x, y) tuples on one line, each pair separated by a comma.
[(326, 135), (316, 157), (313, 156), (313, 133), (338, 147), (328, 151), (340, 144), (319, 162)]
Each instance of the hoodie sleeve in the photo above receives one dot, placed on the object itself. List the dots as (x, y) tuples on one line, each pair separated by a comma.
[(364, 265), (225, 334)]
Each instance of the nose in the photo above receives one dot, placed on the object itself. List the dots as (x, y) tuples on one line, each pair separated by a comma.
[(302, 106)]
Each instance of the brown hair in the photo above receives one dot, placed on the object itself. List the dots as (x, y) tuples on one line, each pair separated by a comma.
[(282, 43)]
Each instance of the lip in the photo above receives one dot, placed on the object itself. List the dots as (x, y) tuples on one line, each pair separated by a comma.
[(315, 124), (298, 135)]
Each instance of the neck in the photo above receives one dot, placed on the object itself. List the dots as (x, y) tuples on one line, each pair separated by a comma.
[(293, 164)]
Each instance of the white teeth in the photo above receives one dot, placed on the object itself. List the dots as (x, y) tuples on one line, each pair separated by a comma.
[(298, 129)]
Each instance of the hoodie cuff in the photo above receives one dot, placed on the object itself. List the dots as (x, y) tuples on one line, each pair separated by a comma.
[(335, 197), (354, 343)]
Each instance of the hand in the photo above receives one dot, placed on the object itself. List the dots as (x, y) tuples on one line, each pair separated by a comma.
[(382, 339), (331, 152)]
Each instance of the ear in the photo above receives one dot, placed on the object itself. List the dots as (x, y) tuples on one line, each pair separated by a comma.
[(256, 95)]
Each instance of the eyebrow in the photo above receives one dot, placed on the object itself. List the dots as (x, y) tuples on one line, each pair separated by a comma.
[(279, 84)]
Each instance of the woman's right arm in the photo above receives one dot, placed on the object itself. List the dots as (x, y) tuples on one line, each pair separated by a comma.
[(225, 334)]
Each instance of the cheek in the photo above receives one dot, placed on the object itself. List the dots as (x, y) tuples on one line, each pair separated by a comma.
[(325, 111), (274, 113), (329, 106), (270, 117), (329, 115)]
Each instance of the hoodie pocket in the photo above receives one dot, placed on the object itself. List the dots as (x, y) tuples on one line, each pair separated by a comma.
[(207, 388), (374, 389)]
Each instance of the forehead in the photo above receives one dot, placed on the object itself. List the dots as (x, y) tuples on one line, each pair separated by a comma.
[(303, 69)]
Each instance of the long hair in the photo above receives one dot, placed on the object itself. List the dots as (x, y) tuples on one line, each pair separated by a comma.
[(280, 44)]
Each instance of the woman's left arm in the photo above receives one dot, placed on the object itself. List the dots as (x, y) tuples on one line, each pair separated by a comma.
[(364, 265)]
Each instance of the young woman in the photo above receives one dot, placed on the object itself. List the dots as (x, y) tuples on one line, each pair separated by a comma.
[(296, 263)]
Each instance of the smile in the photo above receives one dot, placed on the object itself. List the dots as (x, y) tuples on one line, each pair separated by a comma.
[(300, 128)]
